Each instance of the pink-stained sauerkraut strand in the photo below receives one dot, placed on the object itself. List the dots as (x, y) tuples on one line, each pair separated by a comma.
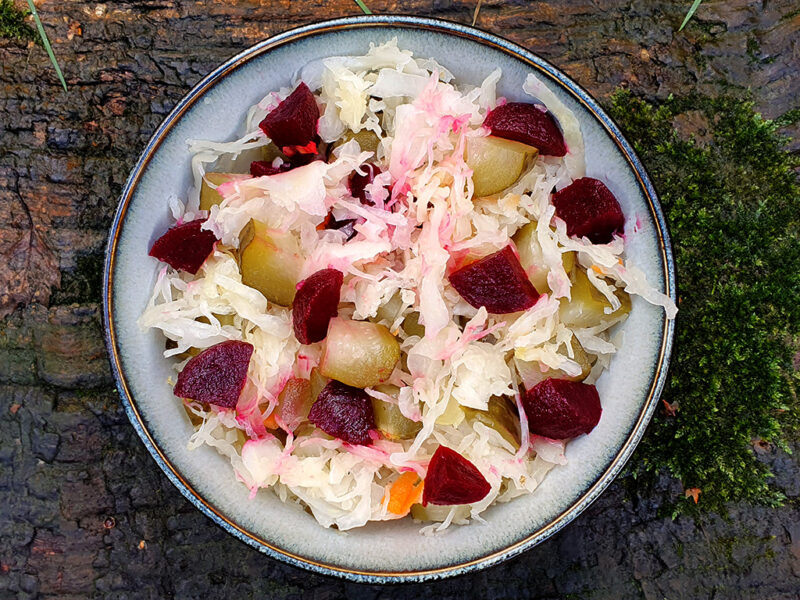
[(425, 319)]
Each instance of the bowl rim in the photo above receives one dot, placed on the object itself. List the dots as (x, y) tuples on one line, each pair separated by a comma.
[(483, 38)]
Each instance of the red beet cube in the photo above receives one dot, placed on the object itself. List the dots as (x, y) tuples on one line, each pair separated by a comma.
[(452, 479), (185, 247), (497, 282), (299, 156), (217, 375), (357, 183), (315, 304), (292, 124), (527, 123), (344, 412), (589, 209), (259, 168), (560, 409)]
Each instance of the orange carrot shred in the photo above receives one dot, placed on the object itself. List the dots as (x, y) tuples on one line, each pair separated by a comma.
[(270, 422), (404, 492)]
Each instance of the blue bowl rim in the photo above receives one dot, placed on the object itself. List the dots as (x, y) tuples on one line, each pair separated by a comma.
[(482, 37)]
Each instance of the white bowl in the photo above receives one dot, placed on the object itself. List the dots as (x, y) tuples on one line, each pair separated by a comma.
[(391, 551)]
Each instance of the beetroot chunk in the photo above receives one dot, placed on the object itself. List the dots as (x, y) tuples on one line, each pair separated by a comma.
[(589, 209), (357, 183), (217, 375), (184, 247), (292, 125), (259, 168), (497, 282), (315, 304), (561, 409), (344, 412), (527, 123), (452, 479)]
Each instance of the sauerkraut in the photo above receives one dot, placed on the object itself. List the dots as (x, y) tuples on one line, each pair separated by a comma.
[(462, 371)]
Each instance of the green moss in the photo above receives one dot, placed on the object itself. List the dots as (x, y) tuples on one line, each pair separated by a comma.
[(733, 210), (13, 25)]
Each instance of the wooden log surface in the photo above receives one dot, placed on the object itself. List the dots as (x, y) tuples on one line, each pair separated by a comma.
[(84, 511)]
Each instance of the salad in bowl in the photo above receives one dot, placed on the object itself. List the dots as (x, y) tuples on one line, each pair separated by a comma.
[(393, 295)]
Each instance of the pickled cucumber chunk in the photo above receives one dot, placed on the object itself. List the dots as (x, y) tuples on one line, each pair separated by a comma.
[(496, 163), (531, 259), (367, 140), (209, 196), (270, 261), (531, 373), (500, 416), (587, 305), (412, 326), (359, 353), (388, 418)]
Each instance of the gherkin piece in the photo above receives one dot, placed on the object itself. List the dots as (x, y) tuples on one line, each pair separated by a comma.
[(438, 513), (270, 261), (318, 382), (226, 319), (389, 311), (453, 414), (496, 163), (531, 259), (586, 306), (412, 326), (359, 353), (209, 196), (531, 373), (270, 152), (388, 418), (499, 416), (367, 140)]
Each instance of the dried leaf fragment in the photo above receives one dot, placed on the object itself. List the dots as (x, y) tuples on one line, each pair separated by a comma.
[(693, 493), (28, 271), (670, 408)]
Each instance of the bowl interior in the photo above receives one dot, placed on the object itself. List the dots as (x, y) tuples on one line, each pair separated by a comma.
[(395, 549)]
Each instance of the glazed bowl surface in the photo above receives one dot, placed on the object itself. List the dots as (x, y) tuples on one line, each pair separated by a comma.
[(388, 551)]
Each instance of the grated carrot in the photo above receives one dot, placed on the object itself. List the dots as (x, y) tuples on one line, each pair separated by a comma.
[(404, 492), (270, 422)]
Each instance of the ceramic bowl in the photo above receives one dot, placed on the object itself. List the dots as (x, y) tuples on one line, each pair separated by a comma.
[(393, 551)]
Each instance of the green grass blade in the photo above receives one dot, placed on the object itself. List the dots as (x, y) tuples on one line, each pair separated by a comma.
[(686, 19), (46, 43), (361, 5)]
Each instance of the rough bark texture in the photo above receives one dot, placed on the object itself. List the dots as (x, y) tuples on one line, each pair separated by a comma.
[(84, 512)]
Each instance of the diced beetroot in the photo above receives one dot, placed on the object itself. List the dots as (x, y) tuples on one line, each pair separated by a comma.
[(315, 304), (497, 282), (561, 409), (452, 479), (589, 209), (300, 157), (357, 183), (344, 412), (527, 123), (185, 247), (292, 125), (217, 375), (259, 168)]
